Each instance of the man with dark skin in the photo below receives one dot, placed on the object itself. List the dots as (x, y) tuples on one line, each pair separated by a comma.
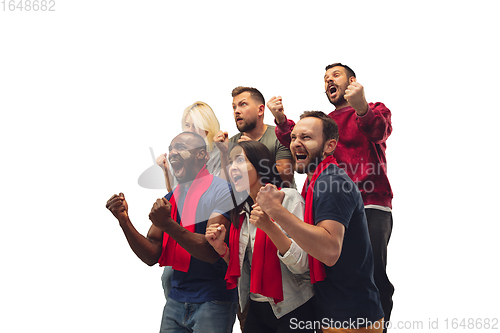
[(206, 271)]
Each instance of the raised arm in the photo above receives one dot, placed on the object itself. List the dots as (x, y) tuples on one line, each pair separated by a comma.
[(284, 126), (375, 124), (163, 163), (148, 249), (222, 142), (373, 120)]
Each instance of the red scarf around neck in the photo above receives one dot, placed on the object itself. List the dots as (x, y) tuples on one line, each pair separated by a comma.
[(265, 274), (316, 267), (173, 254)]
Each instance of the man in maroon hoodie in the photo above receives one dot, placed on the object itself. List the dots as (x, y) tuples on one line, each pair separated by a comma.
[(363, 129)]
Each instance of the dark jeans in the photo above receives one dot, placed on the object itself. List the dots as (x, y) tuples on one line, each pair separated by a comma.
[(380, 228), (261, 318)]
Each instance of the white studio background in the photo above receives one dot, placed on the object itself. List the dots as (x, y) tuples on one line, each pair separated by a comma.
[(87, 89)]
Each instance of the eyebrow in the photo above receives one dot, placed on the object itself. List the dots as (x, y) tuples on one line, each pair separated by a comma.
[(306, 132), (335, 71)]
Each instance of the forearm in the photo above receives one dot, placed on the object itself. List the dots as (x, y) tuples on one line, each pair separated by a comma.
[(195, 244), (375, 124), (147, 250), (283, 131), (168, 177), (312, 239), (279, 239), (224, 161)]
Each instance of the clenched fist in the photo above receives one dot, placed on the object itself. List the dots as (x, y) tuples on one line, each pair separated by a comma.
[(275, 105), (160, 214), (118, 206), (355, 96)]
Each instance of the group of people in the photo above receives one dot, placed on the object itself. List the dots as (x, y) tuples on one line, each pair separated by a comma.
[(236, 238)]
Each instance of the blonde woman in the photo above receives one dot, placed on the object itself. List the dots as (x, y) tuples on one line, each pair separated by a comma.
[(198, 118)]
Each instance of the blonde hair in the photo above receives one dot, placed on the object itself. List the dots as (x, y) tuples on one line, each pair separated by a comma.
[(203, 118)]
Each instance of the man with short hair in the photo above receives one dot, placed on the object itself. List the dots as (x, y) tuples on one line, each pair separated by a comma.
[(248, 111), (364, 128), (199, 300), (335, 234)]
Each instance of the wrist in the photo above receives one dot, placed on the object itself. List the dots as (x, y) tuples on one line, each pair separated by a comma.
[(274, 211), (123, 220), (222, 251), (279, 118), (362, 110)]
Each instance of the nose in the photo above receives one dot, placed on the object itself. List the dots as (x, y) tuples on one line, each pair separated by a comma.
[(172, 152), (295, 143)]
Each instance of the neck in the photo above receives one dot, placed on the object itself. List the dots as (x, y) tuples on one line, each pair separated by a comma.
[(341, 105), (257, 132), (254, 190)]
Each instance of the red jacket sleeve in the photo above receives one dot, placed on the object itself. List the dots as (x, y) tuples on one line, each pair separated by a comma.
[(283, 132), (376, 123)]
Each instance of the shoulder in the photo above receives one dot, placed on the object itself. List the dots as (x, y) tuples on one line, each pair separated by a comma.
[(334, 181), (235, 138), (220, 183)]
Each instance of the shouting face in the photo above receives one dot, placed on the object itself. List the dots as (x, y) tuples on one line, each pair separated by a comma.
[(307, 145), (336, 83), (183, 155), (242, 173), (246, 111)]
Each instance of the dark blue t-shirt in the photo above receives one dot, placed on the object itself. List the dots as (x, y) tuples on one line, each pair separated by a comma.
[(204, 282), (349, 291)]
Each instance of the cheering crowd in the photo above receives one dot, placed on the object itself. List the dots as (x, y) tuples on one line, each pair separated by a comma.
[(235, 237)]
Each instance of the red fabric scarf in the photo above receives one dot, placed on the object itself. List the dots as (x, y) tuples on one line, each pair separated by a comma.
[(316, 268), (173, 254), (265, 274)]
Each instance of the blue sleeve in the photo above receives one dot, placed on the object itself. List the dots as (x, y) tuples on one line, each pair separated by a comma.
[(334, 199), (222, 198)]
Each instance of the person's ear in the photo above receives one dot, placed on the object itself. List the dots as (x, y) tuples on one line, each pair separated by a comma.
[(352, 79), (329, 146), (201, 155), (262, 108)]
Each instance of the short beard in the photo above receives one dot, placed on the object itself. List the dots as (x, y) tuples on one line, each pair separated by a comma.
[(340, 101), (247, 126)]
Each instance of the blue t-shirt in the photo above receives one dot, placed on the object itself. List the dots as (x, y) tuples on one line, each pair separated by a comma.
[(204, 282), (348, 291)]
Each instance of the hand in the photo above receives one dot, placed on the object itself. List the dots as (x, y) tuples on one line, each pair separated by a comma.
[(215, 235), (162, 162), (276, 107), (269, 197), (118, 206), (244, 138), (355, 96), (160, 214), (260, 219), (221, 140)]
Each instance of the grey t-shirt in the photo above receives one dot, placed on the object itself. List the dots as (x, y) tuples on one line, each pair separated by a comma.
[(271, 141)]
